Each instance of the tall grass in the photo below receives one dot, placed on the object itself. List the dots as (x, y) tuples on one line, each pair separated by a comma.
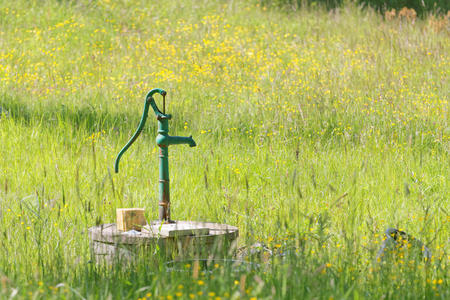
[(315, 133), (421, 7)]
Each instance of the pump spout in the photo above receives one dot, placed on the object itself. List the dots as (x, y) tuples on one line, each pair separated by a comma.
[(164, 140)]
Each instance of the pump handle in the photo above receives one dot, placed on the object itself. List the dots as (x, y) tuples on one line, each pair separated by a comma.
[(149, 101)]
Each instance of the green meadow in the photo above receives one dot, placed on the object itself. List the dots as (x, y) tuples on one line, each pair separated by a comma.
[(316, 131)]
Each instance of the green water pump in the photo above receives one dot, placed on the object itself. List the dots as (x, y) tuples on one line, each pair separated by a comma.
[(164, 141)]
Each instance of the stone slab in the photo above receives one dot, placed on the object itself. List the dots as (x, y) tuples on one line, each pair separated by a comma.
[(177, 229)]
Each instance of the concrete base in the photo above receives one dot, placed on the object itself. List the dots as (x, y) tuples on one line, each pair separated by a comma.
[(179, 240)]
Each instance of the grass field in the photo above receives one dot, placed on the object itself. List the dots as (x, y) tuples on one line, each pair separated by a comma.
[(316, 131)]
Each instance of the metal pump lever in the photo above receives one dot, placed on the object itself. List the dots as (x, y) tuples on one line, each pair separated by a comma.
[(148, 101), (164, 141)]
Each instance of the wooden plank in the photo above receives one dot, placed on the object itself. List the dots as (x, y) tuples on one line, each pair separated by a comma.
[(130, 218)]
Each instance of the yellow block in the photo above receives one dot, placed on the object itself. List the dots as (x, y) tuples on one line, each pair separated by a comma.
[(130, 218)]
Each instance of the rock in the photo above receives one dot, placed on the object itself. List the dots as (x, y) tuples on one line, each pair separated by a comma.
[(3, 113), (255, 251), (396, 241)]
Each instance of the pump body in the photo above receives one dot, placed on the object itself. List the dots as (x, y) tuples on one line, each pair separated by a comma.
[(163, 140)]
